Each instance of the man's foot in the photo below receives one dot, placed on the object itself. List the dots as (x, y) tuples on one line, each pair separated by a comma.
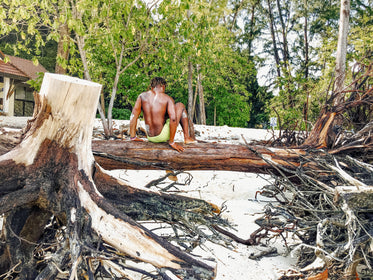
[(190, 141)]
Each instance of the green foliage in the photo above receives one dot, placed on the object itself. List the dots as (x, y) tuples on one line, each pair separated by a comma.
[(361, 32), (121, 114), (46, 55), (231, 109), (35, 84), (127, 43)]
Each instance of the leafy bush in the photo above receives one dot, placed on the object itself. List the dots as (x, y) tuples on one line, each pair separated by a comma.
[(121, 114)]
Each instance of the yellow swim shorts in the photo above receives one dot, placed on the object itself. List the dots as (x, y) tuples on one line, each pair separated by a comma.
[(164, 136)]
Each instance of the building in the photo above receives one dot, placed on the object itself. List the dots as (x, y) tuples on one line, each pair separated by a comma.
[(16, 96)]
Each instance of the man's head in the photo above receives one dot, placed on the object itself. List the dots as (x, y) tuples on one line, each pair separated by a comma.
[(158, 81)]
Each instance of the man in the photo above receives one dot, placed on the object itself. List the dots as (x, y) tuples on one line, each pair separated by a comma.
[(161, 115)]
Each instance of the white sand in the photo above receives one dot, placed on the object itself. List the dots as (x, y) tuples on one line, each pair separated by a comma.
[(237, 191)]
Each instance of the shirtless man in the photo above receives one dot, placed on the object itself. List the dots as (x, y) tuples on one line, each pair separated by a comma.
[(161, 115)]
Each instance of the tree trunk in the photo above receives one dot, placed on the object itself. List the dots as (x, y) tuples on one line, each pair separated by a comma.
[(285, 49), (115, 154), (194, 111), (118, 154), (62, 48), (306, 44), (340, 66), (112, 97), (306, 65), (190, 90), (190, 99), (201, 99), (252, 26), (322, 134), (52, 173), (273, 35), (215, 115)]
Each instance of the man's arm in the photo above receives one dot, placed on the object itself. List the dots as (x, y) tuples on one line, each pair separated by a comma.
[(134, 116), (173, 125)]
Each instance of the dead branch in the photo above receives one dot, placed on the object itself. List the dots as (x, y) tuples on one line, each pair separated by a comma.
[(333, 219)]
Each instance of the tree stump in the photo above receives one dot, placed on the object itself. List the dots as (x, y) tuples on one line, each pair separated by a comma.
[(52, 174)]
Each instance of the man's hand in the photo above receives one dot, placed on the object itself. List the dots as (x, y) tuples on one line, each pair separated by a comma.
[(177, 147), (136, 139)]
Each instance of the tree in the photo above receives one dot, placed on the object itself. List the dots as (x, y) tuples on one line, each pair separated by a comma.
[(340, 66), (124, 36), (322, 135), (79, 26), (203, 55), (295, 70), (196, 33), (161, 43)]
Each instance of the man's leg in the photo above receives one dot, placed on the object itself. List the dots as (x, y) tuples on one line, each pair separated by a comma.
[(182, 118)]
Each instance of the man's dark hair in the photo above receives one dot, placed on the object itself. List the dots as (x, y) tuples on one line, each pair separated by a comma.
[(158, 81)]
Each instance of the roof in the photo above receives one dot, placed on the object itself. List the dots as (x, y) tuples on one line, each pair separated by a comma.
[(20, 67)]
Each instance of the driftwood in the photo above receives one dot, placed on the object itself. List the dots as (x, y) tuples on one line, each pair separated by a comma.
[(117, 154), (355, 111), (329, 206), (329, 209), (60, 205), (126, 154)]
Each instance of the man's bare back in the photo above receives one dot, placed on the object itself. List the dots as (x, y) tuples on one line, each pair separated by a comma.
[(158, 108), (154, 106)]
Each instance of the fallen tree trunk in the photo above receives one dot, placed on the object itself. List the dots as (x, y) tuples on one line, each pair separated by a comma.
[(116, 154), (125, 154), (52, 176)]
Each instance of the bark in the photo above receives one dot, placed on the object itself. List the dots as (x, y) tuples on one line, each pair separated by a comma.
[(322, 135), (199, 88), (201, 100), (62, 47), (190, 90), (119, 154), (340, 67), (306, 63), (52, 172), (114, 154), (190, 99), (306, 44)]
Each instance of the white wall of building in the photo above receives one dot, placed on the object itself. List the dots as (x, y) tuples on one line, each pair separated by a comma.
[(8, 104)]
